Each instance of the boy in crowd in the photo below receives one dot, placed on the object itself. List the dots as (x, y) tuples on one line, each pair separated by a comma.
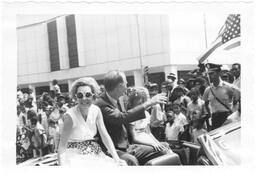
[(173, 129)]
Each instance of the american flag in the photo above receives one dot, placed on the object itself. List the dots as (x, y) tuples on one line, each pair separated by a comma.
[(227, 35), (232, 28)]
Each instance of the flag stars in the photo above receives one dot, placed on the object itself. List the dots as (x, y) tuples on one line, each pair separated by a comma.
[(232, 28)]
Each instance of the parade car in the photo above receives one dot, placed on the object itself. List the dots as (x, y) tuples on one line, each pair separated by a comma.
[(217, 147), (47, 160), (221, 146)]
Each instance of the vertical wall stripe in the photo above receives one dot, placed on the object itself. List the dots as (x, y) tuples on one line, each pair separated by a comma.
[(72, 42), (80, 39), (53, 45), (62, 41)]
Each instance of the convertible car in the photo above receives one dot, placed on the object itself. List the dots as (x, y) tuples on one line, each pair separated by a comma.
[(221, 146), (218, 147)]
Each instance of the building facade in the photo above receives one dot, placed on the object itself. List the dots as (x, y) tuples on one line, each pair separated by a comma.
[(72, 46)]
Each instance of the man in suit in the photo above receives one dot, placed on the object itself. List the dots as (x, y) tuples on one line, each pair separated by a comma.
[(117, 121)]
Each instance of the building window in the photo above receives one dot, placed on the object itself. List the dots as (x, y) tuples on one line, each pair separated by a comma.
[(183, 74), (24, 90), (130, 81), (40, 90), (158, 78), (63, 88)]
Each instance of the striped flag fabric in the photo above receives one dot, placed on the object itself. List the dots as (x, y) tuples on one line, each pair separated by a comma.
[(232, 29), (228, 37)]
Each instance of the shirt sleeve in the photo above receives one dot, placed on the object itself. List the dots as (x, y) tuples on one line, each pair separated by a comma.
[(184, 120)]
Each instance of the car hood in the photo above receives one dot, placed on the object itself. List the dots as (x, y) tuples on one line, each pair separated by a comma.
[(222, 146)]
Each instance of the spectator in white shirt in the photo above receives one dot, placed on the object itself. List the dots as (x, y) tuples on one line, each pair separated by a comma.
[(173, 130)]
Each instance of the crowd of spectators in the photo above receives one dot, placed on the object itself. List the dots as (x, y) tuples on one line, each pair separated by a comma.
[(39, 122), (186, 115)]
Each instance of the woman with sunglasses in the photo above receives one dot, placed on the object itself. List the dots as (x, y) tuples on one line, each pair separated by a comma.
[(81, 123)]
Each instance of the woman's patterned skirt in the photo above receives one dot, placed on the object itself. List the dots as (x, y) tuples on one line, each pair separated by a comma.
[(86, 147)]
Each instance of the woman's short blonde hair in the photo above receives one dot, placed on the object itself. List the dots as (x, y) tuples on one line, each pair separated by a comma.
[(85, 81), (137, 93)]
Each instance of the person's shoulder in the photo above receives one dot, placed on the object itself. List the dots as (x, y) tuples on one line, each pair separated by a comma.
[(100, 101), (207, 89), (70, 111), (186, 97), (190, 103), (181, 116), (230, 85), (201, 101), (39, 126), (95, 107)]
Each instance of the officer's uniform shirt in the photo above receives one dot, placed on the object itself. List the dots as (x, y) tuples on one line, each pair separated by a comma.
[(226, 92)]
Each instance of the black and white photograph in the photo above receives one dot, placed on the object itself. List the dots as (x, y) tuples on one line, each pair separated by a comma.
[(119, 84)]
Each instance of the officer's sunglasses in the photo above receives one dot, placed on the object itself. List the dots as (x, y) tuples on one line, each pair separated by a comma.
[(80, 95)]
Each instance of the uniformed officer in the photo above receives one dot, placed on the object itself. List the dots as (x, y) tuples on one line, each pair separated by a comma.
[(219, 96)]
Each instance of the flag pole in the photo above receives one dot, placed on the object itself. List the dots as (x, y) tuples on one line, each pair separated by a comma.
[(140, 56), (205, 33), (206, 46)]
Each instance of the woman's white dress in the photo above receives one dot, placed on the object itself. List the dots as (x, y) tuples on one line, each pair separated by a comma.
[(82, 149)]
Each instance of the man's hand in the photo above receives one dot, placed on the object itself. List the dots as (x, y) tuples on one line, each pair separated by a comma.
[(157, 99), (160, 147)]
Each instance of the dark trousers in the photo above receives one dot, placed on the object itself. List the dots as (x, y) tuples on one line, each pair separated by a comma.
[(138, 154), (218, 119)]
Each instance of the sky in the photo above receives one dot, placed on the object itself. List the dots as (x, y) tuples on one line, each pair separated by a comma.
[(30, 19)]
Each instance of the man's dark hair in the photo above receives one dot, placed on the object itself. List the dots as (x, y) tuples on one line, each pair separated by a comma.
[(31, 114), (54, 82), (237, 64), (34, 120), (112, 79)]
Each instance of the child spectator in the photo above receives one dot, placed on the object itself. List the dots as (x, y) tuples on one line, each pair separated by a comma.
[(53, 136), (39, 138), (54, 133), (196, 103), (56, 88), (21, 118), (172, 130), (178, 96), (197, 126)]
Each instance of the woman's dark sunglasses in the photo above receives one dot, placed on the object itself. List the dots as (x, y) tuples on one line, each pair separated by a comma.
[(81, 95)]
